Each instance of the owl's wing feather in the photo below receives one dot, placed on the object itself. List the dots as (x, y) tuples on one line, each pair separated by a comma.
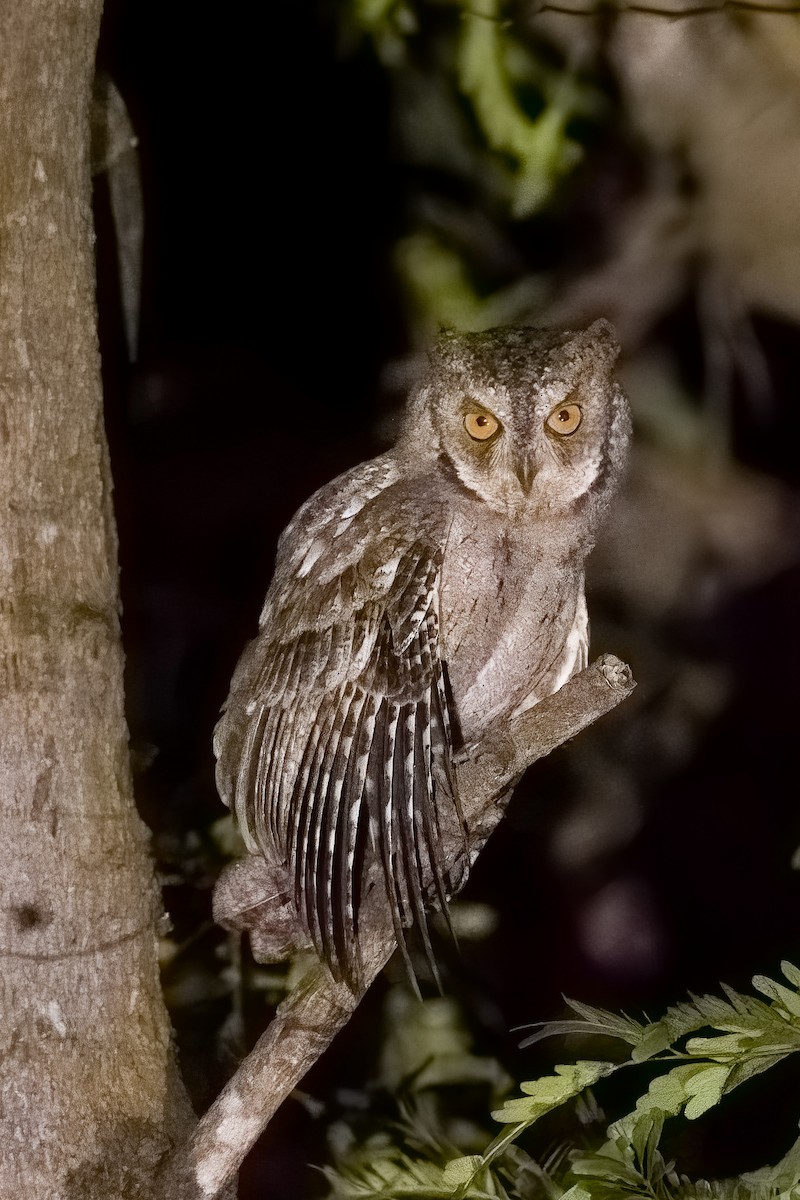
[(338, 731)]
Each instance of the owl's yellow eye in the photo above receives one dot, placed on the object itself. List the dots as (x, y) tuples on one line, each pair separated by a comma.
[(565, 419), (481, 425)]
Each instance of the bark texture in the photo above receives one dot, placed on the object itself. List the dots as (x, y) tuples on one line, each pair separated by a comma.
[(89, 1096)]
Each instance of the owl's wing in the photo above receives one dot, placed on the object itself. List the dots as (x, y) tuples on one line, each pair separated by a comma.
[(337, 736)]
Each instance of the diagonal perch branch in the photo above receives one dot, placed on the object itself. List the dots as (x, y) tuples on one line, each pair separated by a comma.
[(318, 1007)]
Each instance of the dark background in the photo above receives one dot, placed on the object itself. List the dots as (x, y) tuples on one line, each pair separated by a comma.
[(272, 200)]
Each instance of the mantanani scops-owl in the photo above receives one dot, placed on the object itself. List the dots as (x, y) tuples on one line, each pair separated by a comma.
[(416, 600)]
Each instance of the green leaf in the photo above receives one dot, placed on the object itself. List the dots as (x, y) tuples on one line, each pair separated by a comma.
[(617, 1024), (543, 1095), (388, 23), (753, 1028), (786, 1001), (722, 1048), (735, 1037), (594, 1021), (541, 150), (608, 1167), (705, 1089), (694, 1087), (668, 1092), (645, 1136), (655, 1040), (460, 1171), (702, 1011), (791, 972)]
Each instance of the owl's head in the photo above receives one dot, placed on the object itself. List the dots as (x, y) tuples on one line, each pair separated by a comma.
[(528, 420)]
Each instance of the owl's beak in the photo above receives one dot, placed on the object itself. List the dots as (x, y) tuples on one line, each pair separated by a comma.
[(525, 471)]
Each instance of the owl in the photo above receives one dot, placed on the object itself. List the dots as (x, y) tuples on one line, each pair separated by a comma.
[(417, 600)]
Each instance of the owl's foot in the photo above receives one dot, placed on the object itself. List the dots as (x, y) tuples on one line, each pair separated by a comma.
[(254, 896)]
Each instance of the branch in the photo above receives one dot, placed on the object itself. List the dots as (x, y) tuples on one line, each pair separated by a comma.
[(311, 1015)]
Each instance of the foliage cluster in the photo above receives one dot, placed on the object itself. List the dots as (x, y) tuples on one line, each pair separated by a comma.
[(702, 1048), (491, 122)]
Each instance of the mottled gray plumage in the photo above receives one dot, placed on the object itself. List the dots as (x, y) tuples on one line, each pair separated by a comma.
[(416, 599)]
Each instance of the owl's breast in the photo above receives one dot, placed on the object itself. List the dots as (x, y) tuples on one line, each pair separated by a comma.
[(513, 621)]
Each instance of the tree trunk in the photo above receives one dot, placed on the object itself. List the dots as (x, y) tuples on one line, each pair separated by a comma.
[(89, 1095)]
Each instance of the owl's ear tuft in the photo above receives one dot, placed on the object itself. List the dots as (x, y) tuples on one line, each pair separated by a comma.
[(602, 338)]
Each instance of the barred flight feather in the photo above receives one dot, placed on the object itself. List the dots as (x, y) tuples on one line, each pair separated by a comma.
[(351, 718)]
